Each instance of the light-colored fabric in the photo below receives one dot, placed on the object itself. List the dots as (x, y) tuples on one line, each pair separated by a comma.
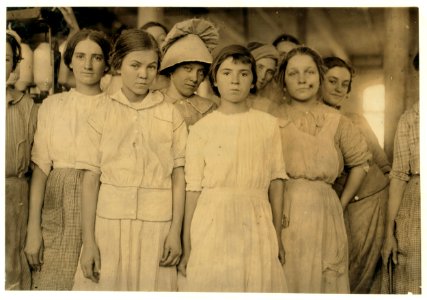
[(232, 159), (135, 147), (406, 157), (261, 103), (193, 108), (61, 231), (61, 121), (316, 144), (265, 51), (130, 254)]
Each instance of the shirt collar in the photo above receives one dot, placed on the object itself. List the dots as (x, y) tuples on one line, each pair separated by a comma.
[(200, 104), (153, 98), (13, 97)]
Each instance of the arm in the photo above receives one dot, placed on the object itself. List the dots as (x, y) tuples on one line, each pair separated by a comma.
[(190, 206), (90, 260), (172, 249), (276, 201), (397, 188), (355, 178), (34, 241)]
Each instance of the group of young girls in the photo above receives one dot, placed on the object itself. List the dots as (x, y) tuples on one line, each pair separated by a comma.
[(164, 190)]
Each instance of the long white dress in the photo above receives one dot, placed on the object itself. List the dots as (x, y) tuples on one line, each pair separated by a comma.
[(232, 159)]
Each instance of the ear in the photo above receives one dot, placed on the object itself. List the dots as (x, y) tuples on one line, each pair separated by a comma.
[(252, 86)]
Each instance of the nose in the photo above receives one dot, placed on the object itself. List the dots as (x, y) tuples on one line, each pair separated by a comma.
[(142, 72), (301, 78), (88, 63), (235, 78), (261, 75), (339, 88), (192, 76)]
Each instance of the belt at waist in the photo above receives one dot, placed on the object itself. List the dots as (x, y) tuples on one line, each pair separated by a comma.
[(240, 191)]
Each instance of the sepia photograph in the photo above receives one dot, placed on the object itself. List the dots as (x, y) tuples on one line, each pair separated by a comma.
[(253, 150)]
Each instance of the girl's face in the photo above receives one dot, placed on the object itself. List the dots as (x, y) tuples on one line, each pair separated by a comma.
[(138, 70), (234, 80), (88, 63), (284, 47), (302, 78), (265, 68), (335, 86), (9, 60), (186, 78), (158, 33)]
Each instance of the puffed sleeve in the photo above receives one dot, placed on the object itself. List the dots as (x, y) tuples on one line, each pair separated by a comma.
[(88, 143), (378, 154), (40, 152), (195, 161), (352, 144), (278, 169), (179, 139), (401, 153)]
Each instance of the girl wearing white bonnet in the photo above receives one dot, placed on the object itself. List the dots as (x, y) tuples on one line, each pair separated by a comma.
[(186, 59)]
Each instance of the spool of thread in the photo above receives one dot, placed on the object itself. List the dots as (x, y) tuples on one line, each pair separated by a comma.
[(25, 68), (42, 67)]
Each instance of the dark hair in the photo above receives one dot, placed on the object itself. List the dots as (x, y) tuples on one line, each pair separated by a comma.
[(333, 61), (416, 61), (132, 40), (300, 51), (172, 69), (254, 45), (88, 34), (286, 38), (16, 50), (239, 54), (153, 24)]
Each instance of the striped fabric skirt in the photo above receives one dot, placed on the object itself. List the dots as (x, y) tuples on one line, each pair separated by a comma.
[(61, 230)]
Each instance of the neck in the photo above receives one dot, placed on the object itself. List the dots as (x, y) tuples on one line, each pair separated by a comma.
[(304, 105), (88, 89), (134, 97), (227, 107), (174, 94), (336, 106)]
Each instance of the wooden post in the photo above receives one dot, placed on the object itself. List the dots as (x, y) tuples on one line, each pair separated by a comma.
[(147, 14), (396, 53)]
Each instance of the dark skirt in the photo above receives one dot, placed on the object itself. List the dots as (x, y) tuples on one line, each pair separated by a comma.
[(18, 275), (61, 230)]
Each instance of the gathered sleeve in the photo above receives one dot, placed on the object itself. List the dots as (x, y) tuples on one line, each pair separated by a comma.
[(278, 169), (378, 154), (353, 145), (195, 162), (89, 142), (40, 152), (179, 139), (401, 153)]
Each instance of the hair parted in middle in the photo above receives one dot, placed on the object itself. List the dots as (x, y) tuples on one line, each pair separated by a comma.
[(300, 51), (239, 54), (129, 41), (88, 34)]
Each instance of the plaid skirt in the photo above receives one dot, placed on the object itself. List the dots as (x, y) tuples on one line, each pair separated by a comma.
[(61, 230), (407, 273)]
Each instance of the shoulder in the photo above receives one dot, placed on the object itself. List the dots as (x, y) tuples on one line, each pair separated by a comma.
[(202, 104)]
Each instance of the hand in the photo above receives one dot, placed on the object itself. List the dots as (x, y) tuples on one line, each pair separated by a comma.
[(172, 250), (389, 247), (90, 261), (182, 266), (34, 247)]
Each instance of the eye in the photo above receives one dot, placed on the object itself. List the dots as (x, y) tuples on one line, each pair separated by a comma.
[(98, 58), (188, 68), (245, 74), (152, 67), (332, 81), (200, 73), (134, 66), (292, 73), (226, 73), (311, 72), (79, 56)]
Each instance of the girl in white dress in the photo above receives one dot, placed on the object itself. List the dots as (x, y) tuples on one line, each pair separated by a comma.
[(135, 148), (234, 173)]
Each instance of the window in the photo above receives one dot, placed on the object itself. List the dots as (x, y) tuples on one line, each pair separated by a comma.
[(373, 110)]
